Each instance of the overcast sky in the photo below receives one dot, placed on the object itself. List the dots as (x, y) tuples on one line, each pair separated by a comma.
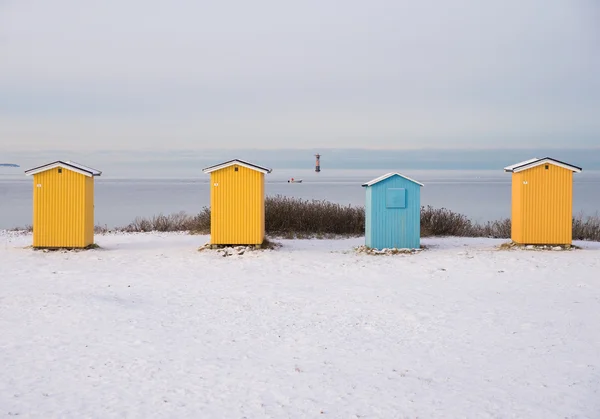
[(382, 74)]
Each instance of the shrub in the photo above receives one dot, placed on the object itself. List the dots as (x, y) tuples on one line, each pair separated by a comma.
[(496, 229), (180, 221), (586, 228), (98, 229), (293, 216), (444, 222), (28, 229)]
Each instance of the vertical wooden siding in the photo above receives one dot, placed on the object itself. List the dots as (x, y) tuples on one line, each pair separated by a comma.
[(237, 206), (546, 206), (60, 202), (517, 208), (89, 211), (369, 217), (394, 227)]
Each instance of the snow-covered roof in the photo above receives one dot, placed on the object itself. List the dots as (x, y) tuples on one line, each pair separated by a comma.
[(513, 166), (237, 162), (388, 175), (75, 167), (528, 164)]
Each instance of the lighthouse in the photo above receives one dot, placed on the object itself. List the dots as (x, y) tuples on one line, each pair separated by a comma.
[(318, 163)]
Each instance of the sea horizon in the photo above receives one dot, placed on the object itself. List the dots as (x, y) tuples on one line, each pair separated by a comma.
[(481, 195)]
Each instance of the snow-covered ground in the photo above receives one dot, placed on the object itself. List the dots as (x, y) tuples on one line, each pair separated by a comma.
[(148, 327)]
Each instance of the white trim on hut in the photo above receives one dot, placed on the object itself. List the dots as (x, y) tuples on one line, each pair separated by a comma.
[(531, 163), (388, 175), (237, 162), (69, 165)]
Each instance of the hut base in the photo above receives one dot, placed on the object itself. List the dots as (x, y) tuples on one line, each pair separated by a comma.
[(266, 244), (227, 246), (65, 248), (222, 246), (393, 251), (520, 246)]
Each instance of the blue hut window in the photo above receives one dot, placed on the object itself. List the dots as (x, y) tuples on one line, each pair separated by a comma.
[(395, 198)]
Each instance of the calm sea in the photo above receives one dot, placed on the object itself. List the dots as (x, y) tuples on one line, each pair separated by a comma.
[(481, 195)]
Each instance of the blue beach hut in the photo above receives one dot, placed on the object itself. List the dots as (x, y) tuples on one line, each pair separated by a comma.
[(393, 212)]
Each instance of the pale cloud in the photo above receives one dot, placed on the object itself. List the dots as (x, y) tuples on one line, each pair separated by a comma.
[(272, 74)]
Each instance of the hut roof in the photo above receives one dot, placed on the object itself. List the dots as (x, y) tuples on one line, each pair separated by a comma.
[(531, 163), (76, 167), (388, 175), (238, 163)]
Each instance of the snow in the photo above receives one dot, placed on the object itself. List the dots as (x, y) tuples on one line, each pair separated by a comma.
[(149, 327)]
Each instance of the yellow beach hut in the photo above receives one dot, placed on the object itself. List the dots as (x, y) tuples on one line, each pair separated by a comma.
[(63, 205), (237, 201), (542, 201)]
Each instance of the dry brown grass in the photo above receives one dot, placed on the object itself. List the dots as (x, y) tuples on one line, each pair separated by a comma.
[(286, 216), (444, 222), (199, 223), (296, 218), (586, 228)]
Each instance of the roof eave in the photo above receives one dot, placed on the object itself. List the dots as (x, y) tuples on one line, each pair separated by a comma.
[(387, 176), (530, 164), (94, 172), (60, 163), (239, 162)]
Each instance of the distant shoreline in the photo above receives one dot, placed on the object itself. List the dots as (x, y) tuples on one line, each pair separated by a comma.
[(9, 165)]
